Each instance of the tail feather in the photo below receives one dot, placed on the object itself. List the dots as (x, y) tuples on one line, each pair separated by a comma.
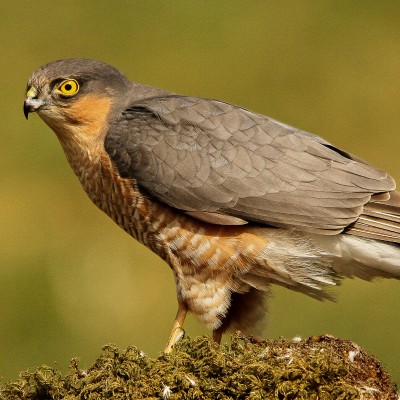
[(380, 219), (362, 257)]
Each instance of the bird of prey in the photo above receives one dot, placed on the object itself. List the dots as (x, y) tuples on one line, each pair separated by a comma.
[(232, 200)]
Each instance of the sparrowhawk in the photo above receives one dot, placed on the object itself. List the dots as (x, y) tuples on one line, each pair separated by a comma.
[(232, 200)]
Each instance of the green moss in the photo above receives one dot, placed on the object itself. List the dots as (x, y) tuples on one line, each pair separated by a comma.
[(317, 368)]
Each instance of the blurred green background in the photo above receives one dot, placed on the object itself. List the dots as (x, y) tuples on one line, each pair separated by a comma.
[(70, 279)]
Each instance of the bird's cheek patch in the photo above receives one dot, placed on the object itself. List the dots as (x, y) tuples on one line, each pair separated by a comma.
[(89, 112)]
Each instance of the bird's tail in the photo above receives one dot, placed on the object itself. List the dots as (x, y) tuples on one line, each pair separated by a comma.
[(380, 219), (359, 257)]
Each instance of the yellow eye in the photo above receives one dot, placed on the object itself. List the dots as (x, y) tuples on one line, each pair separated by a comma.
[(68, 87)]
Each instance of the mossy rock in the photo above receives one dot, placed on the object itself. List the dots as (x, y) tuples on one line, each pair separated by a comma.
[(317, 368)]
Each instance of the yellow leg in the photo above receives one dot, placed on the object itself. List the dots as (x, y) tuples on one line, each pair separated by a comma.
[(177, 331)]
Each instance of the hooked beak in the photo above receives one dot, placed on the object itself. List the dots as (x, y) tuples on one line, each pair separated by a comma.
[(32, 103)]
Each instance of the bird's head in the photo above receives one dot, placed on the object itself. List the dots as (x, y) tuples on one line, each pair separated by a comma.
[(76, 96)]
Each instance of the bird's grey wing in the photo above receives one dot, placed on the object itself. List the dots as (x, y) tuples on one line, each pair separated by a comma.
[(227, 165)]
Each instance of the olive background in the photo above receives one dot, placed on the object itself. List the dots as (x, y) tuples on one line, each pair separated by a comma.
[(70, 279)]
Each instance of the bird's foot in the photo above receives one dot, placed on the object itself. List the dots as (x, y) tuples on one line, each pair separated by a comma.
[(177, 331)]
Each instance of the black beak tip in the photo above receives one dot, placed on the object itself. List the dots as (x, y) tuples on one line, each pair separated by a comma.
[(26, 110)]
